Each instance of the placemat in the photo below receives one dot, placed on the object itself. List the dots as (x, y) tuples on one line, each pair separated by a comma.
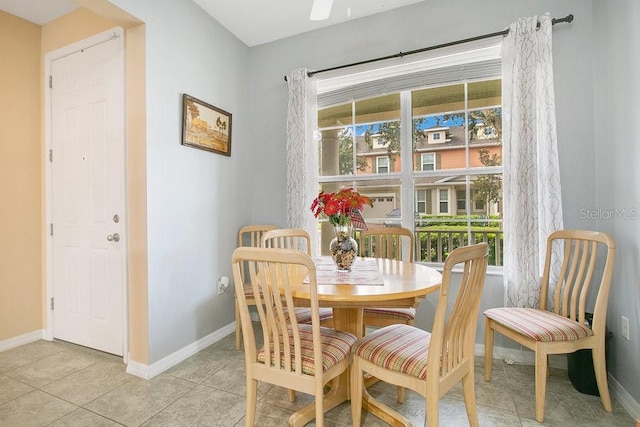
[(363, 272)]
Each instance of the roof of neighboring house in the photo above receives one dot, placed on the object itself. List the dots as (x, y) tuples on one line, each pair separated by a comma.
[(455, 138)]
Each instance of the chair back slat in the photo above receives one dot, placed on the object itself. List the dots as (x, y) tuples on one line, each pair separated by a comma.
[(579, 273), (251, 236), (386, 242), (453, 335), (287, 238), (271, 272)]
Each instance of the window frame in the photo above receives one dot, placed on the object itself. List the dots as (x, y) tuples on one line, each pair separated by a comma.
[(378, 166), (409, 198), (433, 163)]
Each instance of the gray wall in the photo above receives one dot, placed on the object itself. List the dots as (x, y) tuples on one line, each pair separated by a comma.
[(586, 151), (194, 201), (197, 200), (414, 27), (617, 154)]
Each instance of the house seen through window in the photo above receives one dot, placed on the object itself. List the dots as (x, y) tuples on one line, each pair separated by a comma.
[(429, 157)]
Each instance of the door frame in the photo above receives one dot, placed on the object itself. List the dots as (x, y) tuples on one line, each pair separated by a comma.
[(48, 333)]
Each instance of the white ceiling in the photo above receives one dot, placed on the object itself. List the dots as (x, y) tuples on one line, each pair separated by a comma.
[(261, 21), (252, 21), (38, 11)]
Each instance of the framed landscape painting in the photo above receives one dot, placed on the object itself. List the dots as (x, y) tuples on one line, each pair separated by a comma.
[(205, 127)]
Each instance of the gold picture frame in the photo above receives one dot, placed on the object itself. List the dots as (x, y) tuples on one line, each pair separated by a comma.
[(205, 127)]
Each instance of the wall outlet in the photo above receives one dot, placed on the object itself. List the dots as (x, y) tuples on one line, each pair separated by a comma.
[(625, 327), (223, 284)]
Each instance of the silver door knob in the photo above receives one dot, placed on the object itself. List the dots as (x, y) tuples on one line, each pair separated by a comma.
[(115, 237)]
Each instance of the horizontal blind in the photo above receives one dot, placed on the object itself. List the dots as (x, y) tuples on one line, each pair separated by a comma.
[(438, 76)]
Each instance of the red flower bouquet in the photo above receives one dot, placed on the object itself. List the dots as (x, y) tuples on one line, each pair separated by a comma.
[(339, 206)]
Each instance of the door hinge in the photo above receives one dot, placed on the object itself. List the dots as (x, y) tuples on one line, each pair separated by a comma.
[(50, 82), (51, 303), (51, 229), (50, 155)]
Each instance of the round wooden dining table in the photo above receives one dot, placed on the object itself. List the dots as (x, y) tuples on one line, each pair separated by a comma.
[(400, 284)]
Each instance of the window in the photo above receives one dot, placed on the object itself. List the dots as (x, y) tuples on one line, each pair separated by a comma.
[(443, 201), (425, 148), (461, 198), (428, 162), (421, 201), (382, 165)]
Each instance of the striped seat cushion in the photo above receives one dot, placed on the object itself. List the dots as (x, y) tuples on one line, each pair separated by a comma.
[(405, 315), (336, 346), (400, 348), (539, 325), (248, 291), (303, 315)]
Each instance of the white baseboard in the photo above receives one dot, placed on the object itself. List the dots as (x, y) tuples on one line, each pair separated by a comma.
[(526, 357), (626, 400), (149, 371), (22, 339)]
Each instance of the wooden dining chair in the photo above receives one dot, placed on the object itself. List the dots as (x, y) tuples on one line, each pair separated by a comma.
[(296, 238), (249, 235), (387, 242), (558, 326), (303, 357), (428, 363)]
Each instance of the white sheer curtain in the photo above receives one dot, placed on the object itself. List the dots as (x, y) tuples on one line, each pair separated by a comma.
[(302, 163), (532, 197)]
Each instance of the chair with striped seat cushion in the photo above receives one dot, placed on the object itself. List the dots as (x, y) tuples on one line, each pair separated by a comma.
[(539, 325), (428, 363), (295, 238), (387, 242), (562, 329), (335, 345), (386, 315), (249, 235), (303, 315), (300, 357)]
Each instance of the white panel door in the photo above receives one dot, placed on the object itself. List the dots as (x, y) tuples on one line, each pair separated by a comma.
[(87, 191)]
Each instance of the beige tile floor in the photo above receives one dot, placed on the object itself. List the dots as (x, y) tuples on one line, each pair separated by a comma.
[(59, 384)]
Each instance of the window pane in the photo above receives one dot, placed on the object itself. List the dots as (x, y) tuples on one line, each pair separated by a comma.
[(485, 137), (378, 131), (336, 154), (427, 102), (338, 116), (436, 126), (386, 196), (486, 194), (443, 137), (381, 109), (485, 94)]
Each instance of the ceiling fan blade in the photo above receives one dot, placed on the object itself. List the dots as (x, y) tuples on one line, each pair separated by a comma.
[(320, 10)]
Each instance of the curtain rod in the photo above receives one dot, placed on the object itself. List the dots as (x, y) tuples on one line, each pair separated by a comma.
[(568, 19)]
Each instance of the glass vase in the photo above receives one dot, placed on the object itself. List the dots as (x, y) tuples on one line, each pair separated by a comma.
[(343, 247)]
